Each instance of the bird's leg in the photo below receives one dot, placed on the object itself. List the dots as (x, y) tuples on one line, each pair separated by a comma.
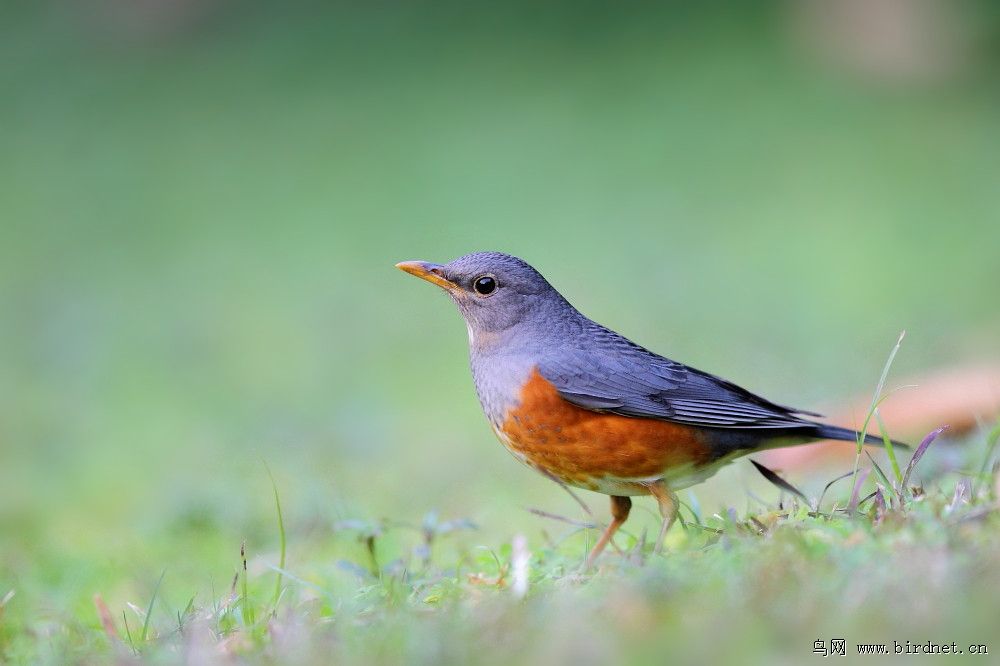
[(620, 507), (668, 509)]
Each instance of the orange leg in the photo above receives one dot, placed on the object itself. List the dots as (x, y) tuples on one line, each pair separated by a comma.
[(620, 507), (668, 509)]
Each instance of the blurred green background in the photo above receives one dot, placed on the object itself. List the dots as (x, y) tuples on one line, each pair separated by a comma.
[(202, 203)]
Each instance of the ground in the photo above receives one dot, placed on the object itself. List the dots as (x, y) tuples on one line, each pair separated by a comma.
[(777, 578)]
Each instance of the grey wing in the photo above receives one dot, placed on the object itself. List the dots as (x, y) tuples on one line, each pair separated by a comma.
[(622, 378)]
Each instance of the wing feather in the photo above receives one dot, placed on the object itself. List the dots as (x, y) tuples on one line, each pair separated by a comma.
[(616, 375)]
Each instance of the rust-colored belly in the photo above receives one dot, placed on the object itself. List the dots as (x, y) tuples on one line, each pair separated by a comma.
[(595, 450)]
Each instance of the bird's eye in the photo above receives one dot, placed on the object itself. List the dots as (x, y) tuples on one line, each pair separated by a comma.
[(484, 285)]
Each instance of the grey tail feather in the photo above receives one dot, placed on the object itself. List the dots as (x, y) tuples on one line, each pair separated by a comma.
[(824, 431)]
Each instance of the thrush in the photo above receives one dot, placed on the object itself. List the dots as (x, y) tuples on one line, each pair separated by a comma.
[(594, 410)]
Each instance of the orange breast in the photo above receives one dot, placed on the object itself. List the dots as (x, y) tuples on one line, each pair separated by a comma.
[(593, 449)]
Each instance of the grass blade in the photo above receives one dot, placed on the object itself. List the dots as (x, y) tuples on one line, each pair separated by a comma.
[(879, 387), (991, 444), (562, 519), (281, 536), (771, 476), (244, 592), (149, 610), (583, 505), (876, 399), (692, 509), (128, 634), (919, 453), (880, 474), (867, 497), (819, 502), (3, 602), (889, 450), (859, 481)]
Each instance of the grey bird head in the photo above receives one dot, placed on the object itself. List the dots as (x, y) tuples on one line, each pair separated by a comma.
[(495, 292)]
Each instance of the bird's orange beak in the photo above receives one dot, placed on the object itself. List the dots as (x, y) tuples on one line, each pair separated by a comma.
[(433, 273)]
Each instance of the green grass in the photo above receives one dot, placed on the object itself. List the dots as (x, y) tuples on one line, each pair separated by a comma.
[(282, 539), (768, 580), (877, 398)]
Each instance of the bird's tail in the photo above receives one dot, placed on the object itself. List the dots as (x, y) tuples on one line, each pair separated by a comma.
[(824, 431)]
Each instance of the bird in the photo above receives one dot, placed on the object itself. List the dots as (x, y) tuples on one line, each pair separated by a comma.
[(589, 408)]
